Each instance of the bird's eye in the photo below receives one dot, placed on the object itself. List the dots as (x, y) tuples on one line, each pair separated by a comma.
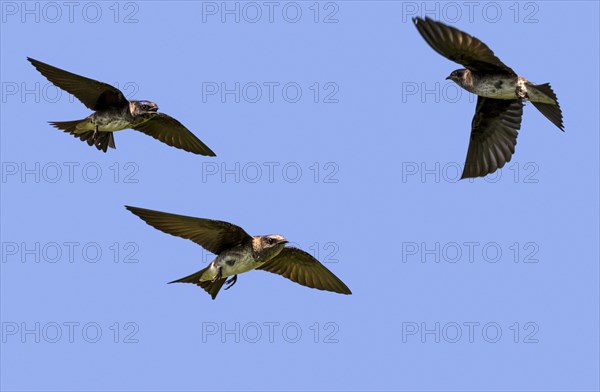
[(271, 241)]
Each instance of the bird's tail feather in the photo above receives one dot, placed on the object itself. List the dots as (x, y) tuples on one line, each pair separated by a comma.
[(67, 126), (551, 111), (210, 286), (102, 141)]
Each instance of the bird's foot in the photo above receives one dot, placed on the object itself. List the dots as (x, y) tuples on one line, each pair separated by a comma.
[(230, 282)]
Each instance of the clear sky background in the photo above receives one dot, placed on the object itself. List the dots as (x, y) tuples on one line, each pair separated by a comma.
[(343, 136)]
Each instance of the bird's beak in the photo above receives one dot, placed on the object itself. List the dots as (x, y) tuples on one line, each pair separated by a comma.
[(284, 241), (447, 77)]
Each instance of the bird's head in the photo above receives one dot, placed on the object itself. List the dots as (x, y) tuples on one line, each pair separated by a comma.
[(269, 246), (142, 107), (458, 76)]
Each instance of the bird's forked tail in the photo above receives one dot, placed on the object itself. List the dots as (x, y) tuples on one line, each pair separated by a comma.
[(539, 95), (102, 140), (212, 287)]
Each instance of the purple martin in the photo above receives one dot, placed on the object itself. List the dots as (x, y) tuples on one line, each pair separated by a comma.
[(238, 252), (501, 93), (113, 112)]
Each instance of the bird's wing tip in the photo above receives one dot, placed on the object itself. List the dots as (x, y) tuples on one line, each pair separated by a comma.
[(207, 152), (426, 18), (33, 61), (131, 209)]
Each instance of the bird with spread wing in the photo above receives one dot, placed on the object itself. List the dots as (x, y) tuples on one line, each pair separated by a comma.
[(238, 252)]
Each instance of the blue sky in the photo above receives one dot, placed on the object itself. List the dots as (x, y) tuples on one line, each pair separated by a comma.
[(333, 125)]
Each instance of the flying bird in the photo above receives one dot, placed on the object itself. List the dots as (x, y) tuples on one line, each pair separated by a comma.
[(501, 93), (113, 112), (238, 252)]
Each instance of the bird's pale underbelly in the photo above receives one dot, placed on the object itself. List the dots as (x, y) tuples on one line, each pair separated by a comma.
[(104, 125), (495, 88), (230, 265), (113, 125), (110, 121)]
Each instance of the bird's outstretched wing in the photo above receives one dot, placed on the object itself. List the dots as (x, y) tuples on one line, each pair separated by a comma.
[(300, 267), (170, 131), (494, 133), (93, 94), (214, 236), (460, 47)]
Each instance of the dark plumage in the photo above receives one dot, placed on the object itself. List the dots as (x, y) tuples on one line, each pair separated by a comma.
[(500, 91), (113, 112), (238, 252)]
